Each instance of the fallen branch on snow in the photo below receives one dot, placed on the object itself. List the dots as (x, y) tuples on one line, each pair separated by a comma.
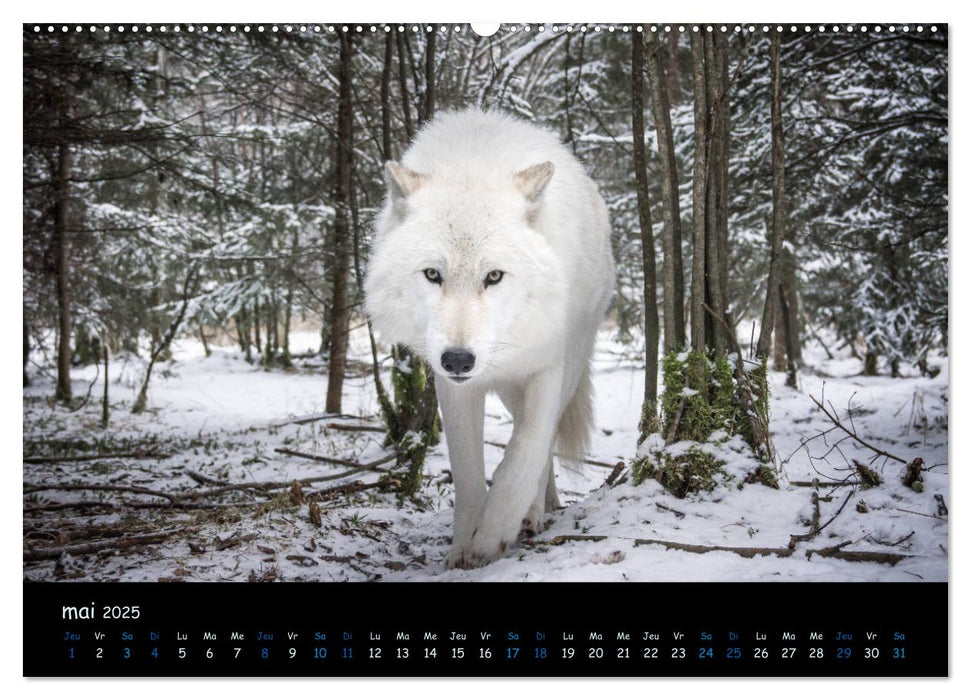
[(100, 546), (99, 487), (335, 460), (835, 552)]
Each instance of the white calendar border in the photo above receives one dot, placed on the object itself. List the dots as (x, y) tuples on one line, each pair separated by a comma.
[(600, 11)]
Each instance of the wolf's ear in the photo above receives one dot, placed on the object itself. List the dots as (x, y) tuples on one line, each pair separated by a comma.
[(403, 182), (534, 179)]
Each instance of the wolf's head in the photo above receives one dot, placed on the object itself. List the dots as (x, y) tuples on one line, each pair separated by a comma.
[(461, 273)]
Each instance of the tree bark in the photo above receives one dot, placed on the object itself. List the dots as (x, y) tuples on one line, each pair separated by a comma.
[(725, 121), (62, 261), (699, 193), (257, 333), (26, 349), (778, 341), (429, 110), (777, 235), (789, 291), (673, 270), (343, 182), (651, 330), (791, 369), (288, 309), (403, 86), (673, 82), (386, 97), (721, 138), (714, 297), (104, 398)]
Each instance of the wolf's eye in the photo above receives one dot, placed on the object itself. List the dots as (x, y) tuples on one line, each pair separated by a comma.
[(433, 275), (494, 277)]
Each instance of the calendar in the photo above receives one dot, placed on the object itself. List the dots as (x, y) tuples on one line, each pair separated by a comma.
[(480, 630), (543, 349)]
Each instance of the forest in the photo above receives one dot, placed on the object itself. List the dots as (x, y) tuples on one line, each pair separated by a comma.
[(203, 396)]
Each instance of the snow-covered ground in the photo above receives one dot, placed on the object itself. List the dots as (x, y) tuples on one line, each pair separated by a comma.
[(218, 422)]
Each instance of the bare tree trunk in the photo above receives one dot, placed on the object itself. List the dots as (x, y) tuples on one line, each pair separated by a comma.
[(242, 332), (784, 311), (673, 84), (386, 97), (714, 333), (204, 339), (671, 207), (403, 86), (257, 319), (789, 290), (778, 341), (429, 110), (343, 182), (651, 330), (162, 347), (870, 368), (778, 204), (288, 310), (26, 349), (62, 265), (724, 123), (104, 399), (718, 182), (699, 193)]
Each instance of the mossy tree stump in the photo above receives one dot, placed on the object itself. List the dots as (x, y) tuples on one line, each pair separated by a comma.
[(702, 405)]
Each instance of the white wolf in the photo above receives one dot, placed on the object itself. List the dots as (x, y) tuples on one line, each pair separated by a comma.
[(492, 262)]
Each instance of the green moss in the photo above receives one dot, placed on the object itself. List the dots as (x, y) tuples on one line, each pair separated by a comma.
[(649, 423), (410, 439), (724, 403), (641, 469), (696, 419), (868, 477), (701, 396), (763, 475), (674, 383), (695, 470)]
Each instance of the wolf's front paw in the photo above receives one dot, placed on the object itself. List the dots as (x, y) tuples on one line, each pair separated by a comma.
[(465, 558), (484, 549)]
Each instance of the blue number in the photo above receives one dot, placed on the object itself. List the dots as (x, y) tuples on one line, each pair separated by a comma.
[(706, 652), (844, 652), (900, 652), (320, 653), (265, 653), (155, 653), (127, 653), (734, 653), (539, 652), (512, 652)]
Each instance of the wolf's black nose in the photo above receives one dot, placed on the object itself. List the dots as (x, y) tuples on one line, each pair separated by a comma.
[(458, 361)]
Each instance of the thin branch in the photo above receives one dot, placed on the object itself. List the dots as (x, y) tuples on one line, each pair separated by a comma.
[(852, 433)]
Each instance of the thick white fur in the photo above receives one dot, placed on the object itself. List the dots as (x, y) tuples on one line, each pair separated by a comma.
[(459, 207)]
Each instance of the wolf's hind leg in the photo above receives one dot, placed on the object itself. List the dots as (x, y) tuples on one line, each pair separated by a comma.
[(552, 499)]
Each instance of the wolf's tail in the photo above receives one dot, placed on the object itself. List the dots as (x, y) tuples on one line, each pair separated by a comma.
[(576, 423)]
